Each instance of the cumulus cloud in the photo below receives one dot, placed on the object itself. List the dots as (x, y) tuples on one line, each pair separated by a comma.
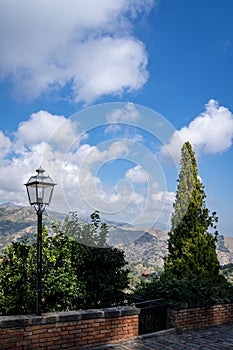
[(88, 45), (5, 145), (94, 155), (31, 146), (209, 132), (123, 120), (137, 175), (119, 65), (42, 125), (75, 163), (128, 114)]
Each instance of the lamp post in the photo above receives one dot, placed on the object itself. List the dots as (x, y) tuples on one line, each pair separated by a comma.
[(39, 190)]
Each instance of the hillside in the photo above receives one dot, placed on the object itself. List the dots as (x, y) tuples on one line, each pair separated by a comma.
[(16, 222), (147, 246), (141, 245)]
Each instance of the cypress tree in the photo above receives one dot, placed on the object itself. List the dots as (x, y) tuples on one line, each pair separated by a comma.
[(191, 275), (192, 249)]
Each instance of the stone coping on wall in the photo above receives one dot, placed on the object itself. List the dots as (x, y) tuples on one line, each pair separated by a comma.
[(66, 316)]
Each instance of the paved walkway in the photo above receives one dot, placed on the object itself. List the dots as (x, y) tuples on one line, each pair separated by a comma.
[(211, 338)]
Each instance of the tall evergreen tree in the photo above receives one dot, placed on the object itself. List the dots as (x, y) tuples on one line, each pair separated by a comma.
[(191, 273), (192, 249)]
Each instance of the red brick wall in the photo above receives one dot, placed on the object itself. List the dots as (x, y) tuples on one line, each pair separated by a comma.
[(85, 329), (71, 330), (200, 317)]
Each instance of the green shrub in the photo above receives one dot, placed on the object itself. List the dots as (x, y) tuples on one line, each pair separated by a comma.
[(74, 275)]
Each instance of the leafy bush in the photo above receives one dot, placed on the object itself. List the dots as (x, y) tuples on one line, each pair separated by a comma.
[(74, 275), (17, 279), (186, 292)]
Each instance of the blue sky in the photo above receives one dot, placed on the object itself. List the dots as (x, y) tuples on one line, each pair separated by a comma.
[(94, 91)]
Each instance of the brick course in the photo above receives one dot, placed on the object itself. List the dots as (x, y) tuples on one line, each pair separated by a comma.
[(69, 330), (85, 329), (200, 317)]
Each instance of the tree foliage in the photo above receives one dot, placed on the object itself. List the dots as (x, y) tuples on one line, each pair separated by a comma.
[(192, 249), (185, 292), (75, 275), (191, 271)]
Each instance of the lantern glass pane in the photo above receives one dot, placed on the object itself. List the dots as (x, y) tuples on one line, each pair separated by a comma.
[(32, 194), (40, 189)]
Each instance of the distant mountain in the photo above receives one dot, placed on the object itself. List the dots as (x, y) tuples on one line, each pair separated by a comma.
[(141, 245), (225, 250), (11, 205), (121, 235), (16, 222)]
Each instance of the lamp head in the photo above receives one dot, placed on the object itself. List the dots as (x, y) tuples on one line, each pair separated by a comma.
[(40, 189)]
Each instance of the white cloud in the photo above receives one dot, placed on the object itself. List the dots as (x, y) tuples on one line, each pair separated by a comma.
[(42, 126), (5, 145), (128, 114), (137, 175), (89, 155), (31, 145), (108, 66), (209, 132), (46, 45), (16, 173), (76, 170)]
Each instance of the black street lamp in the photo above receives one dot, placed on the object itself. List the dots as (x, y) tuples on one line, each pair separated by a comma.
[(39, 190)]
